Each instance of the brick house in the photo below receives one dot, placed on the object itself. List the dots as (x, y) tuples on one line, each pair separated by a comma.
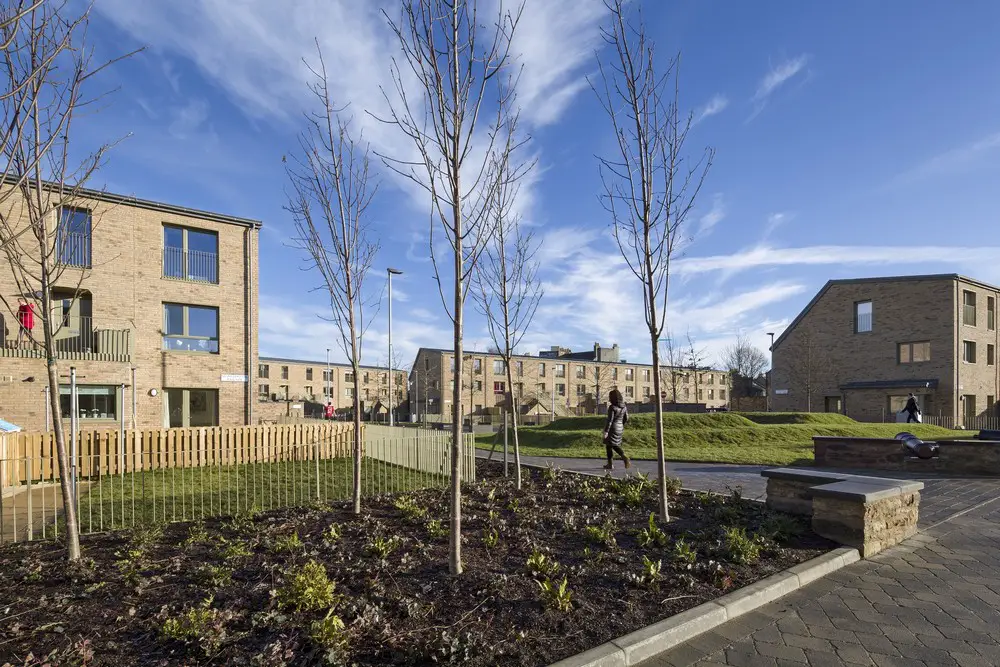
[(568, 382), (861, 345), (158, 309), (309, 385)]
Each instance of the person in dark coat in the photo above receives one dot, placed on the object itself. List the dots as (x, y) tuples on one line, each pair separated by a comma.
[(911, 409), (614, 428)]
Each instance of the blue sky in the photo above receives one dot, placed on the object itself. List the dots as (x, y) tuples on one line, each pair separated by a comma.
[(852, 139)]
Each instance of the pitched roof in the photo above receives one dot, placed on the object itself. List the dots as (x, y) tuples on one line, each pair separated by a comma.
[(884, 279)]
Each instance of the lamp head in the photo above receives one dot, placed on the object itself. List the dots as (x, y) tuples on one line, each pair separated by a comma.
[(395, 272)]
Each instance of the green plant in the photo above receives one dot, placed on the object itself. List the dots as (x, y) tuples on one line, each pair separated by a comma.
[(591, 493), (493, 516), (601, 534), (436, 529), (215, 576), (287, 543), (550, 474), (652, 535), (409, 508), (514, 505), (491, 538), (201, 625), (130, 564), (332, 534), (781, 527), (632, 492), (683, 553), (491, 495), (331, 634), (234, 551), (196, 533), (307, 588), (556, 596), (651, 572), (244, 520), (540, 565), (740, 547), (382, 547), (146, 535)]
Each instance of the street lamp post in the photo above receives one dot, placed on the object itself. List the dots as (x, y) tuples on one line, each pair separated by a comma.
[(770, 371), (329, 396), (391, 272)]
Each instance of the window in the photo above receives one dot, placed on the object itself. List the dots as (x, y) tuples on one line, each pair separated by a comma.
[(561, 389), (581, 372), (364, 378), (284, 372), (92, 402), (520, 368), (645, 391), (968, 308), (497, 366), (614, 374), (991, 313), (349, 376), (283, 392), (990, 355), (309, 374), (687, 392), (264, 371), (969, 351), (711, 379), (264, 392), (722, 394), (73, 237), (328, 392), (477, 365), (499, 387), (629, 374), (701, 394), (630, 391), (187, 408), (451, 385), (190, 254), (832, 404), (190, 328), (520, 389), (541, 387), (645, 375), (541, 370), (560, 370), (581, 390), (327, 376), (349, 392), (863, 317), (427, 364), (912, 353), (309, 393), (451, 361)]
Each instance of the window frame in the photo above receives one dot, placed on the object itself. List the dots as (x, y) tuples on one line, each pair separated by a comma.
[(857, 316), (910, 347), (991, 313), (991, 355), (88, 244), (968, 345), (186, 336), (65, 392), (188, 276), (968, 308)]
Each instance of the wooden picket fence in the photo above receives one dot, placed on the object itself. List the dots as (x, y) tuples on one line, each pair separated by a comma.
[(101, 452)]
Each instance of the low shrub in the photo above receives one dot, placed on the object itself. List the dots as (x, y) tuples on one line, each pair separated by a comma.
[(556, 596), (741, 547), (307, 588)]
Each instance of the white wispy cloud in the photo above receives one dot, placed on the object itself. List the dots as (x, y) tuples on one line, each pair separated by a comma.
[(776, 77), (774, 221), (957, 159), (714, 216), (766, 256), (714, 106)]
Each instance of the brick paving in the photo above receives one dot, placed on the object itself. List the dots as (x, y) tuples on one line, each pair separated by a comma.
[(933, 600)]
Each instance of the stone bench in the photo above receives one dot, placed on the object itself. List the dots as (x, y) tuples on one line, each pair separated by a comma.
[(867, 513)]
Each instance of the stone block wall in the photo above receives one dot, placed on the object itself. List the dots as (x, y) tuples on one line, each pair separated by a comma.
[(962, 457), (870, 527)]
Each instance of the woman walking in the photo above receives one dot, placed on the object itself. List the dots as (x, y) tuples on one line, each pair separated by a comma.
[(614, 428)]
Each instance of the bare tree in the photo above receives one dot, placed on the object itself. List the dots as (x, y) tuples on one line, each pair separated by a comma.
[(745, 362), (605, 378), (48, 67), (697, 357), (458, 66), (810, 366), (649, 186), (673, 356), (508, 289), (331, 191)]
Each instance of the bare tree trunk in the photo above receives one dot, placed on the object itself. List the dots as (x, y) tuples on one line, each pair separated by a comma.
[(513, 418), (661, 455), (62, 455)]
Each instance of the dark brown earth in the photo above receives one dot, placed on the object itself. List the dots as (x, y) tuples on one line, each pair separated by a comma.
[(216, 594)]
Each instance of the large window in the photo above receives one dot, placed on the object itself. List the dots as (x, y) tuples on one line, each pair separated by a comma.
[(497, 366), (581, 372), (264, 392), (284, 372), (991, 313), (185, 408), (73, 237), (190, 328), (541, 370), (309, 374), (863, 317), (581, 390), (969, 351), (913, 353), (969, 308), (93, 402), (561, 389), (190, 254), (264, 371), (560, 370), (520, 368), (629, 374)]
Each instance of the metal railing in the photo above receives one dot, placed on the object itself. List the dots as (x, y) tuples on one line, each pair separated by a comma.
[(76, 338), (191, 265), (979, 423), (193, 474), (74, 249)]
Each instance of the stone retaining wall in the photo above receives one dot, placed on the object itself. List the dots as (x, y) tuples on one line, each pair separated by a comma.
[(964, 457), (869, 527)]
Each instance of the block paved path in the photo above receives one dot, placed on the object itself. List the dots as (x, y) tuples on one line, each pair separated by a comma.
[(933, 600)]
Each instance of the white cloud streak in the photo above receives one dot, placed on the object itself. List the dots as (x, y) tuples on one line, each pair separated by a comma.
[(951, 161), (714, 216), (714, 106), (777, 77)]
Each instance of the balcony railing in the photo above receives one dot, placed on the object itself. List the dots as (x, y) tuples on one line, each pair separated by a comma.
[(192, 265), (74, 249), (76, 338)]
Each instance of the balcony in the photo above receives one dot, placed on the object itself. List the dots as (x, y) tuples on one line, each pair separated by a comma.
[(76, 339), (191, 265), (74, 249)]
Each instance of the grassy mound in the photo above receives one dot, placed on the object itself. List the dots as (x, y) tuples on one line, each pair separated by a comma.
[(671, 421), (771, 444), (825, 418)]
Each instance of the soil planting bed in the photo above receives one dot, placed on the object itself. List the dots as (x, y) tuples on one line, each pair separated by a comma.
[(317, 585)]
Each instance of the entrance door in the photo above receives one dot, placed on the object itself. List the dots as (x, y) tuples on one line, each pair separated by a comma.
[(833, 404)]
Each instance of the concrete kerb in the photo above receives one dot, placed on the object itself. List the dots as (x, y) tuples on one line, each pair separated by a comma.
[(660, 637)]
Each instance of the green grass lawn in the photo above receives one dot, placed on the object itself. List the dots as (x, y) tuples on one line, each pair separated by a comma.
[(708, 438), (184, 494)]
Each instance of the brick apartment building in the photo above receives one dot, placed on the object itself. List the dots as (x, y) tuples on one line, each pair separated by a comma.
[(156, 292), (285, 383), (557, 379), (860, 346)]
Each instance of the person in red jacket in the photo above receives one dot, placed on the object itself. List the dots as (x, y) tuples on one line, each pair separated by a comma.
[(25, 318), (328, 411)]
